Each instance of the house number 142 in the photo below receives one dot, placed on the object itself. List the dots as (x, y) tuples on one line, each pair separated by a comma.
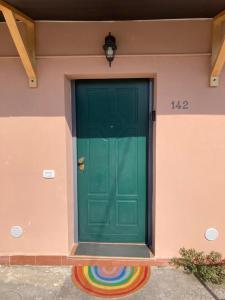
[(180, 104)]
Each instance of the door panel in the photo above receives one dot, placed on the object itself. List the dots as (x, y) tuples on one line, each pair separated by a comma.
[(112, 129), (127, 166)]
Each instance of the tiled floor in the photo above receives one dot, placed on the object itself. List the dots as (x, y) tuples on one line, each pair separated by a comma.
[(54, 283)]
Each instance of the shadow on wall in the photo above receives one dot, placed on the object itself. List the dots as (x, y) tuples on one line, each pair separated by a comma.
[(171, 98)]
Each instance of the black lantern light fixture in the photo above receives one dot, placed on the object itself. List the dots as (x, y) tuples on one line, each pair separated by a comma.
[(110, 48)]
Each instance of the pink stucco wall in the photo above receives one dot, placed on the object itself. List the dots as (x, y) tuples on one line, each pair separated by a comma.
[(189, 145)]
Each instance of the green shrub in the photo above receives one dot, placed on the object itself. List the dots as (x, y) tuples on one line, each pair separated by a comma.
[(208, 267)]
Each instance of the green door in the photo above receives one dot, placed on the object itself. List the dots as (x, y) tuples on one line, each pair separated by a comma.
[(112, 130)]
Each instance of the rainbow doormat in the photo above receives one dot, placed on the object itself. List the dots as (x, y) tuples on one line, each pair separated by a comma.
[(110, 281)]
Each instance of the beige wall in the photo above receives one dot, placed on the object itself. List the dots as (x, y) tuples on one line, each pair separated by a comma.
[(35, 131)]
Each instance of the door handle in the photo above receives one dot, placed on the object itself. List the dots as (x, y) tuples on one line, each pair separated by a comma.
[(80, 163)]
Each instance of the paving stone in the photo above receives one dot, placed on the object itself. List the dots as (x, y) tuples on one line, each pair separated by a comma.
[(54, 283)]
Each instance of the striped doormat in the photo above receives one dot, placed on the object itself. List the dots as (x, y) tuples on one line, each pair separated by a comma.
[(110, 281)]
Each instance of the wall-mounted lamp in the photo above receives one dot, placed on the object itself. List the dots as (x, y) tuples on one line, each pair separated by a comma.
[(110, 48)]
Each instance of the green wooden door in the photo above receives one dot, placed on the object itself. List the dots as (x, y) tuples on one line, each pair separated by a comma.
[(112, 130)]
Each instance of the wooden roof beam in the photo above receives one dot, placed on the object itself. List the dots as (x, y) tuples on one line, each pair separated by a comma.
[(26, 49), (218, 49)]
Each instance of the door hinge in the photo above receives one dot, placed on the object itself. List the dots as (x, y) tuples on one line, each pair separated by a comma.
[(153, 115)]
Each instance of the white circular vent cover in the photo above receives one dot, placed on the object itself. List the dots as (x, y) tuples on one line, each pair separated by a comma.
[(211, 234), (16, 231)]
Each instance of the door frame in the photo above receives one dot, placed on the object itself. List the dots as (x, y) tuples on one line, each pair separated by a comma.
[(150, 154)]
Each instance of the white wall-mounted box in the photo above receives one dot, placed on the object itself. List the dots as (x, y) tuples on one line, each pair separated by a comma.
[(48, 174)]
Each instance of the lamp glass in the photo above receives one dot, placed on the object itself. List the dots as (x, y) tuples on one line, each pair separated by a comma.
[(109, 52)]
